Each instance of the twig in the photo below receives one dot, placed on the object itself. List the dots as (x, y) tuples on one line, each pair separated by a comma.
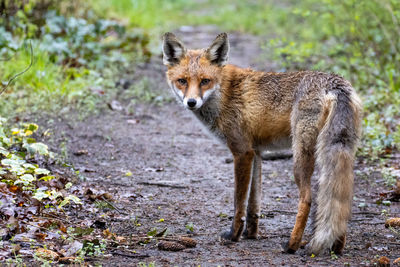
[(367, 212), (281, 211), (276, 155), (19, 74), (374, 223), (115, 207), (179, 169), (37, 226), (52, 217), (163, 185)]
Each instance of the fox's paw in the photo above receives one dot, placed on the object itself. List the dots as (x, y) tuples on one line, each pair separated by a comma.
[(249, 235), (338, 245), (287, 249), (228, 235)]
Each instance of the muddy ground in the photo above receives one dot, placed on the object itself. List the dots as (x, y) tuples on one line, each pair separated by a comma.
[(166, 172)]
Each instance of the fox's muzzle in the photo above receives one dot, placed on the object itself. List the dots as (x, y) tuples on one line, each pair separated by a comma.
[(192, 103)]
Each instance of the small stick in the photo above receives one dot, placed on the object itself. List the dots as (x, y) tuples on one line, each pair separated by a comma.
[(163, 185)]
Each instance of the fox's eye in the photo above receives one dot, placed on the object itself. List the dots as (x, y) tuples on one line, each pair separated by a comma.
[(205, 82), (182, 81)]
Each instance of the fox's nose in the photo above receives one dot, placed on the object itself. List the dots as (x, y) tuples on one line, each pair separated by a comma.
[(191, 102)]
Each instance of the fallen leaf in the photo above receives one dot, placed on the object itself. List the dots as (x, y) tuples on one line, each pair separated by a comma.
[(73, 248), (81, 152), (383, 262), (392, 222), (115, 105), (47, 254), (120, 239), (66, 260), (40, 236), (107, 233)]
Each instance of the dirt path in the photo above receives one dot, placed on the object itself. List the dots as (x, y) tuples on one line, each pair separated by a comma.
[(176, 172)]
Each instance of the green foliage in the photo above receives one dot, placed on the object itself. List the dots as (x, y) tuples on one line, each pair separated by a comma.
[(94, 247), (18, 150), (75, 58), (144, 14), (357, 39), (160, 16)]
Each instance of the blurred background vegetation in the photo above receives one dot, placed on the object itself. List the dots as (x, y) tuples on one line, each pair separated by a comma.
[(81, 47)]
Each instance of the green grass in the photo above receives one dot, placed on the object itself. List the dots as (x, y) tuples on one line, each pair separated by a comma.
[(77, 61), (160, 16), (46, 86)]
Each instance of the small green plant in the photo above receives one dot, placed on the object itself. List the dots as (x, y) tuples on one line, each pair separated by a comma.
[(94, 248), (103, 205), (17, 150), (17, 261), (389, 176), (144, 264), (190, 227), (43, 262), (334, 256)]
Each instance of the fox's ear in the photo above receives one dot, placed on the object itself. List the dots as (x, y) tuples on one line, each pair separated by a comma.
[(173, 49), (217, 53)]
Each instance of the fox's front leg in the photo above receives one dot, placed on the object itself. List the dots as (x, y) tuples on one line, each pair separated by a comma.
[(253, 207), (243, 164)]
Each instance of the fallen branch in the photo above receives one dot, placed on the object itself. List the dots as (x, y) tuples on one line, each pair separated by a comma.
[(113, 206), (160, 184), (367, 212), (276, 155)]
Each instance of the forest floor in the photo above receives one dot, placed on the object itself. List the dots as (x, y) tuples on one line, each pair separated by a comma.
[(164, 172)]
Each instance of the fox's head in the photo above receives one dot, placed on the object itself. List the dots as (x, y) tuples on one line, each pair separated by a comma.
[(194, 75)]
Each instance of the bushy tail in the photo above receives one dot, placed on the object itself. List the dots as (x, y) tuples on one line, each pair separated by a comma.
[(336, 147)]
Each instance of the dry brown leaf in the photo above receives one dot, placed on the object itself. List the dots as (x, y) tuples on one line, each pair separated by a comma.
[(13, 188), (107, 233), (62, 227), (40, 236), (66, 260), (47, 254), (392, 222), (72, 248), (383, 262), (120, 239), (105, 196)]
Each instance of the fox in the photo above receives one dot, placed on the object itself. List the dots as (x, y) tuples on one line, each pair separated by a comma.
[(317, 114)]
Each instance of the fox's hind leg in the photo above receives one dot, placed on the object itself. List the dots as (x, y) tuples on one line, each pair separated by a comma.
[(303, 169), (338, 245), (305, 133), (253, 207)]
